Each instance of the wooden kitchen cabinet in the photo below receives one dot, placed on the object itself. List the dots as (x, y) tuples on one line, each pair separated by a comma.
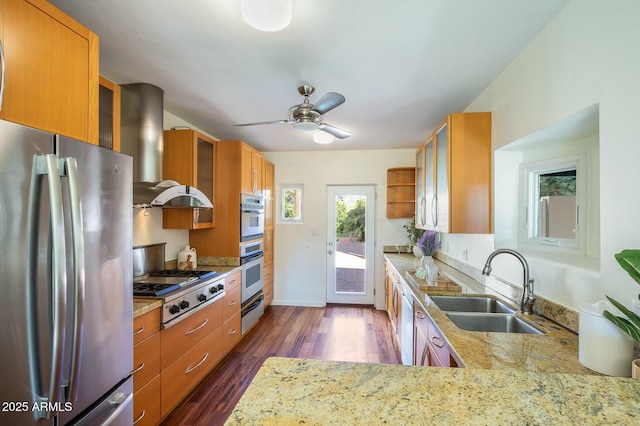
[(251, 169), (178, 338), (457, 192), (51, 70), (146, 404), (232, 322), (234, 175), (429, 347), (401, 192), (146, 368), (189, 158), (109, 120), (268, 172), (268, 285), (189, 350), (179, 378), (394, 303)]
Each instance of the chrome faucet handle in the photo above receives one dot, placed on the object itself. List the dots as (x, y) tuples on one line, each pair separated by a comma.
[(528, 298)]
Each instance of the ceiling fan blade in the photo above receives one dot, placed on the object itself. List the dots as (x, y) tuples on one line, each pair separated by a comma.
[(263, 122), (332, 130), (328, 102)]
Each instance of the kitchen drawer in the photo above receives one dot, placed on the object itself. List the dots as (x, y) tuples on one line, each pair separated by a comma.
[(440, 347), (146, 404), (268, 293), (231, 332), (145, 325), (232, 281), (146, 361), (268, 273), (231, 303), (189, 331), (179, 378)]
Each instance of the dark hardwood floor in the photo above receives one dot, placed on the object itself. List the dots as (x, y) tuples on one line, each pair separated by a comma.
[(336, 332)]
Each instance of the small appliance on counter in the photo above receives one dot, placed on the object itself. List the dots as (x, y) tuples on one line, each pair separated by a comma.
[(187, 258), (602, 346)]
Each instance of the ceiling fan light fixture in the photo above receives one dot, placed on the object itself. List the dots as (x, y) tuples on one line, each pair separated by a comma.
[(306, 126), (266, 15), (322, 137)]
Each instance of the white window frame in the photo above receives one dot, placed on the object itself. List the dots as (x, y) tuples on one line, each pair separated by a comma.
[(282, 189), (529, 181)]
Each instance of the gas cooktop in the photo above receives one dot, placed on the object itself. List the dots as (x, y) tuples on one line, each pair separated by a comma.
[(162, 282)]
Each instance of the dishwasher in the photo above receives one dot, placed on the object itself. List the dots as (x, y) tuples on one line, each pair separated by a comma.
[(406, 328)]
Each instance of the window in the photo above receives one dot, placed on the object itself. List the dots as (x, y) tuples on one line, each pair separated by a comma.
[(551, 214), (291, 203)]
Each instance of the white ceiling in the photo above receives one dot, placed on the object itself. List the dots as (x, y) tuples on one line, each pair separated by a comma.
[(402, 65)]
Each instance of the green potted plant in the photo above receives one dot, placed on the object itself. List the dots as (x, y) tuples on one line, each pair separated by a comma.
[(413, 234), (629, 260)]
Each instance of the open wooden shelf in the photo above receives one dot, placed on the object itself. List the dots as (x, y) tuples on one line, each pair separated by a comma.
[(401, 192)]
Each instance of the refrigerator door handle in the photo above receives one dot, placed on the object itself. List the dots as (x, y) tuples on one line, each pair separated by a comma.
[(46, 165), (77, 235)]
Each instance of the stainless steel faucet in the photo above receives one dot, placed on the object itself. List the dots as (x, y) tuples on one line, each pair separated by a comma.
[(526, 304)]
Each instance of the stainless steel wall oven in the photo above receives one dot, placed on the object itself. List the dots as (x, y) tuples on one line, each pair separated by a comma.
[(251, 217), (252, 261)]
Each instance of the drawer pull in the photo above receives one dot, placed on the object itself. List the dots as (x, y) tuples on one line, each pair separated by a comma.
[(138, 369), (197, 328), (189, 370), (233, 302), (433, 340), (420, 314), (233, 282), (135, 333), (141, 416), (232, 331)]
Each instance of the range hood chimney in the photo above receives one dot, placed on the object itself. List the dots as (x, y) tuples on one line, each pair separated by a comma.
[(141, 138)]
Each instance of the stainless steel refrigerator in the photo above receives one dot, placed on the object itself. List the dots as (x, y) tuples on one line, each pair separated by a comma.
[(66, 349)]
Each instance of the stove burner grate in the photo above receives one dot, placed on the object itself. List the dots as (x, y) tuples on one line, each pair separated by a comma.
[(141, 289)]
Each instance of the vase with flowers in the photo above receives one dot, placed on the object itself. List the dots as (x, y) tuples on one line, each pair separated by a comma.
[(428, 244)]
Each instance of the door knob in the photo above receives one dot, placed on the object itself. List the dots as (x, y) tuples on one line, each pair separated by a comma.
[(330, 252)]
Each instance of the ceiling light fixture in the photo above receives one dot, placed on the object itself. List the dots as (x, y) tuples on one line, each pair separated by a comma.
[(266, 15), (322, 137)]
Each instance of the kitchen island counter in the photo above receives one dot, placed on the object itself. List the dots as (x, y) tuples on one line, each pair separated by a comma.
[(298, 391)]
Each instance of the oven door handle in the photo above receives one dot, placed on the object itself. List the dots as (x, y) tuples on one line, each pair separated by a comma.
[(253, 306)]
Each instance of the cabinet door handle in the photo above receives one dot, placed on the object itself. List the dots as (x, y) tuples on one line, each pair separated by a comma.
[(232, 331), (439, 343), (425, 352), (233, 302), (135, 333), (138, 369), (189, 370), (197, 328), (434, 210), (420, 314), (141, 416), (233, 282)]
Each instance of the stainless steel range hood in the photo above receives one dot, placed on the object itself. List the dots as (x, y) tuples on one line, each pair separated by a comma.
[(141, 137)]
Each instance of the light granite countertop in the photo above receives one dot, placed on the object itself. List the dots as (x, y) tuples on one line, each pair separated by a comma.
[(556, 351), (288, 391)]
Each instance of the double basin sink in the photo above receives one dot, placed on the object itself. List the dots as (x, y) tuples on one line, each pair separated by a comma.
[(482, 314)]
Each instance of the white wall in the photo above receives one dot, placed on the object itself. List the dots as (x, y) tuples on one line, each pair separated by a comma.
[(588, 55), (300, 257)]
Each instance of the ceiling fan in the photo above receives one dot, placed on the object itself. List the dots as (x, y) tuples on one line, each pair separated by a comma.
[(307, 116)]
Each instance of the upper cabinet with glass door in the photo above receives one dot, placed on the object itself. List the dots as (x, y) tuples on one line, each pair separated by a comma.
[(457, 173), (189, 158)]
